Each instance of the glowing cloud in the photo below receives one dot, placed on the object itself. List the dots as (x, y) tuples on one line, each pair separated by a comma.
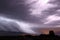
[(38, 6), (21, 25), (52, 18)]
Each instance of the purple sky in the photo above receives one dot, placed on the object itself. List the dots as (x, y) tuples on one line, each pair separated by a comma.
[(29, 15)]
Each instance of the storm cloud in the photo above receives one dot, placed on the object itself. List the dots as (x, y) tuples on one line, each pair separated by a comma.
[(29, 15)]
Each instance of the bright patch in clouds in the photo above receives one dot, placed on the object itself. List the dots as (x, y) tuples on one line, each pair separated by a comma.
[(39, 6), (52, 18)]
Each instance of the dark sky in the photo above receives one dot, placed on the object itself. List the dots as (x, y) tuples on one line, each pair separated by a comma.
[(29, 12), (14, 9)]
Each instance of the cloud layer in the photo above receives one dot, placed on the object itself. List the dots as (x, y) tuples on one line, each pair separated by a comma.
[(30, 14)]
